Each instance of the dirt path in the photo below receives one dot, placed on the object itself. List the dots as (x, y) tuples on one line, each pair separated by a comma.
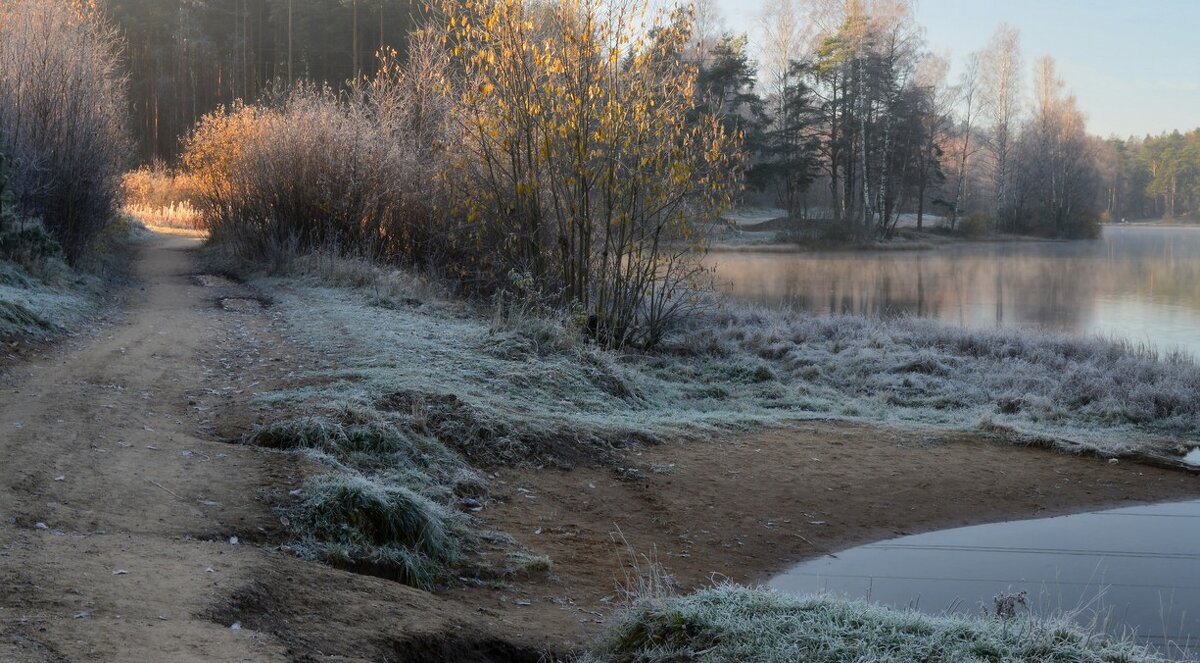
[(107, 493), (118, 504)]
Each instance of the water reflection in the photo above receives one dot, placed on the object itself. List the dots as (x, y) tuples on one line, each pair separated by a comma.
[(1137, 283)]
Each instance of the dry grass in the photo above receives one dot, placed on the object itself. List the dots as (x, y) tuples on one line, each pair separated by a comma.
[(175, 217)]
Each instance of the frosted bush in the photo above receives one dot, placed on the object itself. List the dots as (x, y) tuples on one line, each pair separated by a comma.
[(62, 116), (310, 170)]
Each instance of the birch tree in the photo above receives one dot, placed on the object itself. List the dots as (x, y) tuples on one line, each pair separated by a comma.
[(968, 96), (935, 117), (1000, 69), (1059, 172)]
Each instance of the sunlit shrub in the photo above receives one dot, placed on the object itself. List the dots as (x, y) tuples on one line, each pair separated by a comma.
[(309, 170), (158, 196), (157, 187), (582, 166)]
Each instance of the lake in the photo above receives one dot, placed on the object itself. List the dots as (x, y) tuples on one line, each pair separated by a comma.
[(1138, 283)]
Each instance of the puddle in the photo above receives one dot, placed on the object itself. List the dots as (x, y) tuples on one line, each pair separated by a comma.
[(240, 304), (1132, 569)]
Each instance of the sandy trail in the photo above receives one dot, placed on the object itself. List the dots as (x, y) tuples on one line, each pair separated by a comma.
[(102, 472)]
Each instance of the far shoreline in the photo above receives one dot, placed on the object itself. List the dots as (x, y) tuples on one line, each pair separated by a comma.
[(765, 237)]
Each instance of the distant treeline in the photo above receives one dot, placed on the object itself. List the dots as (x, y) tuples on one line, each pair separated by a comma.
[(187, 57), (1154, 177), (847, 115)]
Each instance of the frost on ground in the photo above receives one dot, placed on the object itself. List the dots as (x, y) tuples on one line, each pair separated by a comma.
[(40, 295), (424, 388), (729, 623), (525, 388), (40, 306), (1083, 394)]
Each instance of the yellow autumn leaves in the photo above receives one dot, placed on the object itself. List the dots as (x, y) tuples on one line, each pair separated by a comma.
[(583, 161), (560, 148)]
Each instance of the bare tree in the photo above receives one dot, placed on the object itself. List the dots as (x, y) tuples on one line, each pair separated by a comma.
[(784, 37), (1059, 165), (939, 101), (1000, 69), (968, 96), (707, 27)]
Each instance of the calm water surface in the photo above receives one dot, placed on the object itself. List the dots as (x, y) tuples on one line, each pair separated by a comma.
[(1133, 569), (1139, 283)]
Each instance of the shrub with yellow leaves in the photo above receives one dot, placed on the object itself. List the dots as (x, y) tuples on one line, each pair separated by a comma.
[(582, 166)]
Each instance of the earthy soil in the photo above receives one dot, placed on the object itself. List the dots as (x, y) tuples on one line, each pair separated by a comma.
[(119, 504)]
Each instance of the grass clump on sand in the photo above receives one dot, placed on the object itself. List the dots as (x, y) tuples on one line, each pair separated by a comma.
[(730, 623), (387, 509), (369, 447), (386, 530)]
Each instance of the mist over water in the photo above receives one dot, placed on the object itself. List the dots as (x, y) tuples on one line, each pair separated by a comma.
[(1138, 283)]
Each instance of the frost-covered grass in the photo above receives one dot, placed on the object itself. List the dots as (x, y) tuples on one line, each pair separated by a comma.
[(730, 623), (40, 295), (385, 529), (1095, 394), (388, 506), (522, 388), (44, 302), (525, 390)]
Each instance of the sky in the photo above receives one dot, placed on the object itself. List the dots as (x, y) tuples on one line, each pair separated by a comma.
[(1134, 65)]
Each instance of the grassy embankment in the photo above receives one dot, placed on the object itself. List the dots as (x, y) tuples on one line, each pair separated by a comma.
[(423, 391), (737, 624), (41, 297)]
